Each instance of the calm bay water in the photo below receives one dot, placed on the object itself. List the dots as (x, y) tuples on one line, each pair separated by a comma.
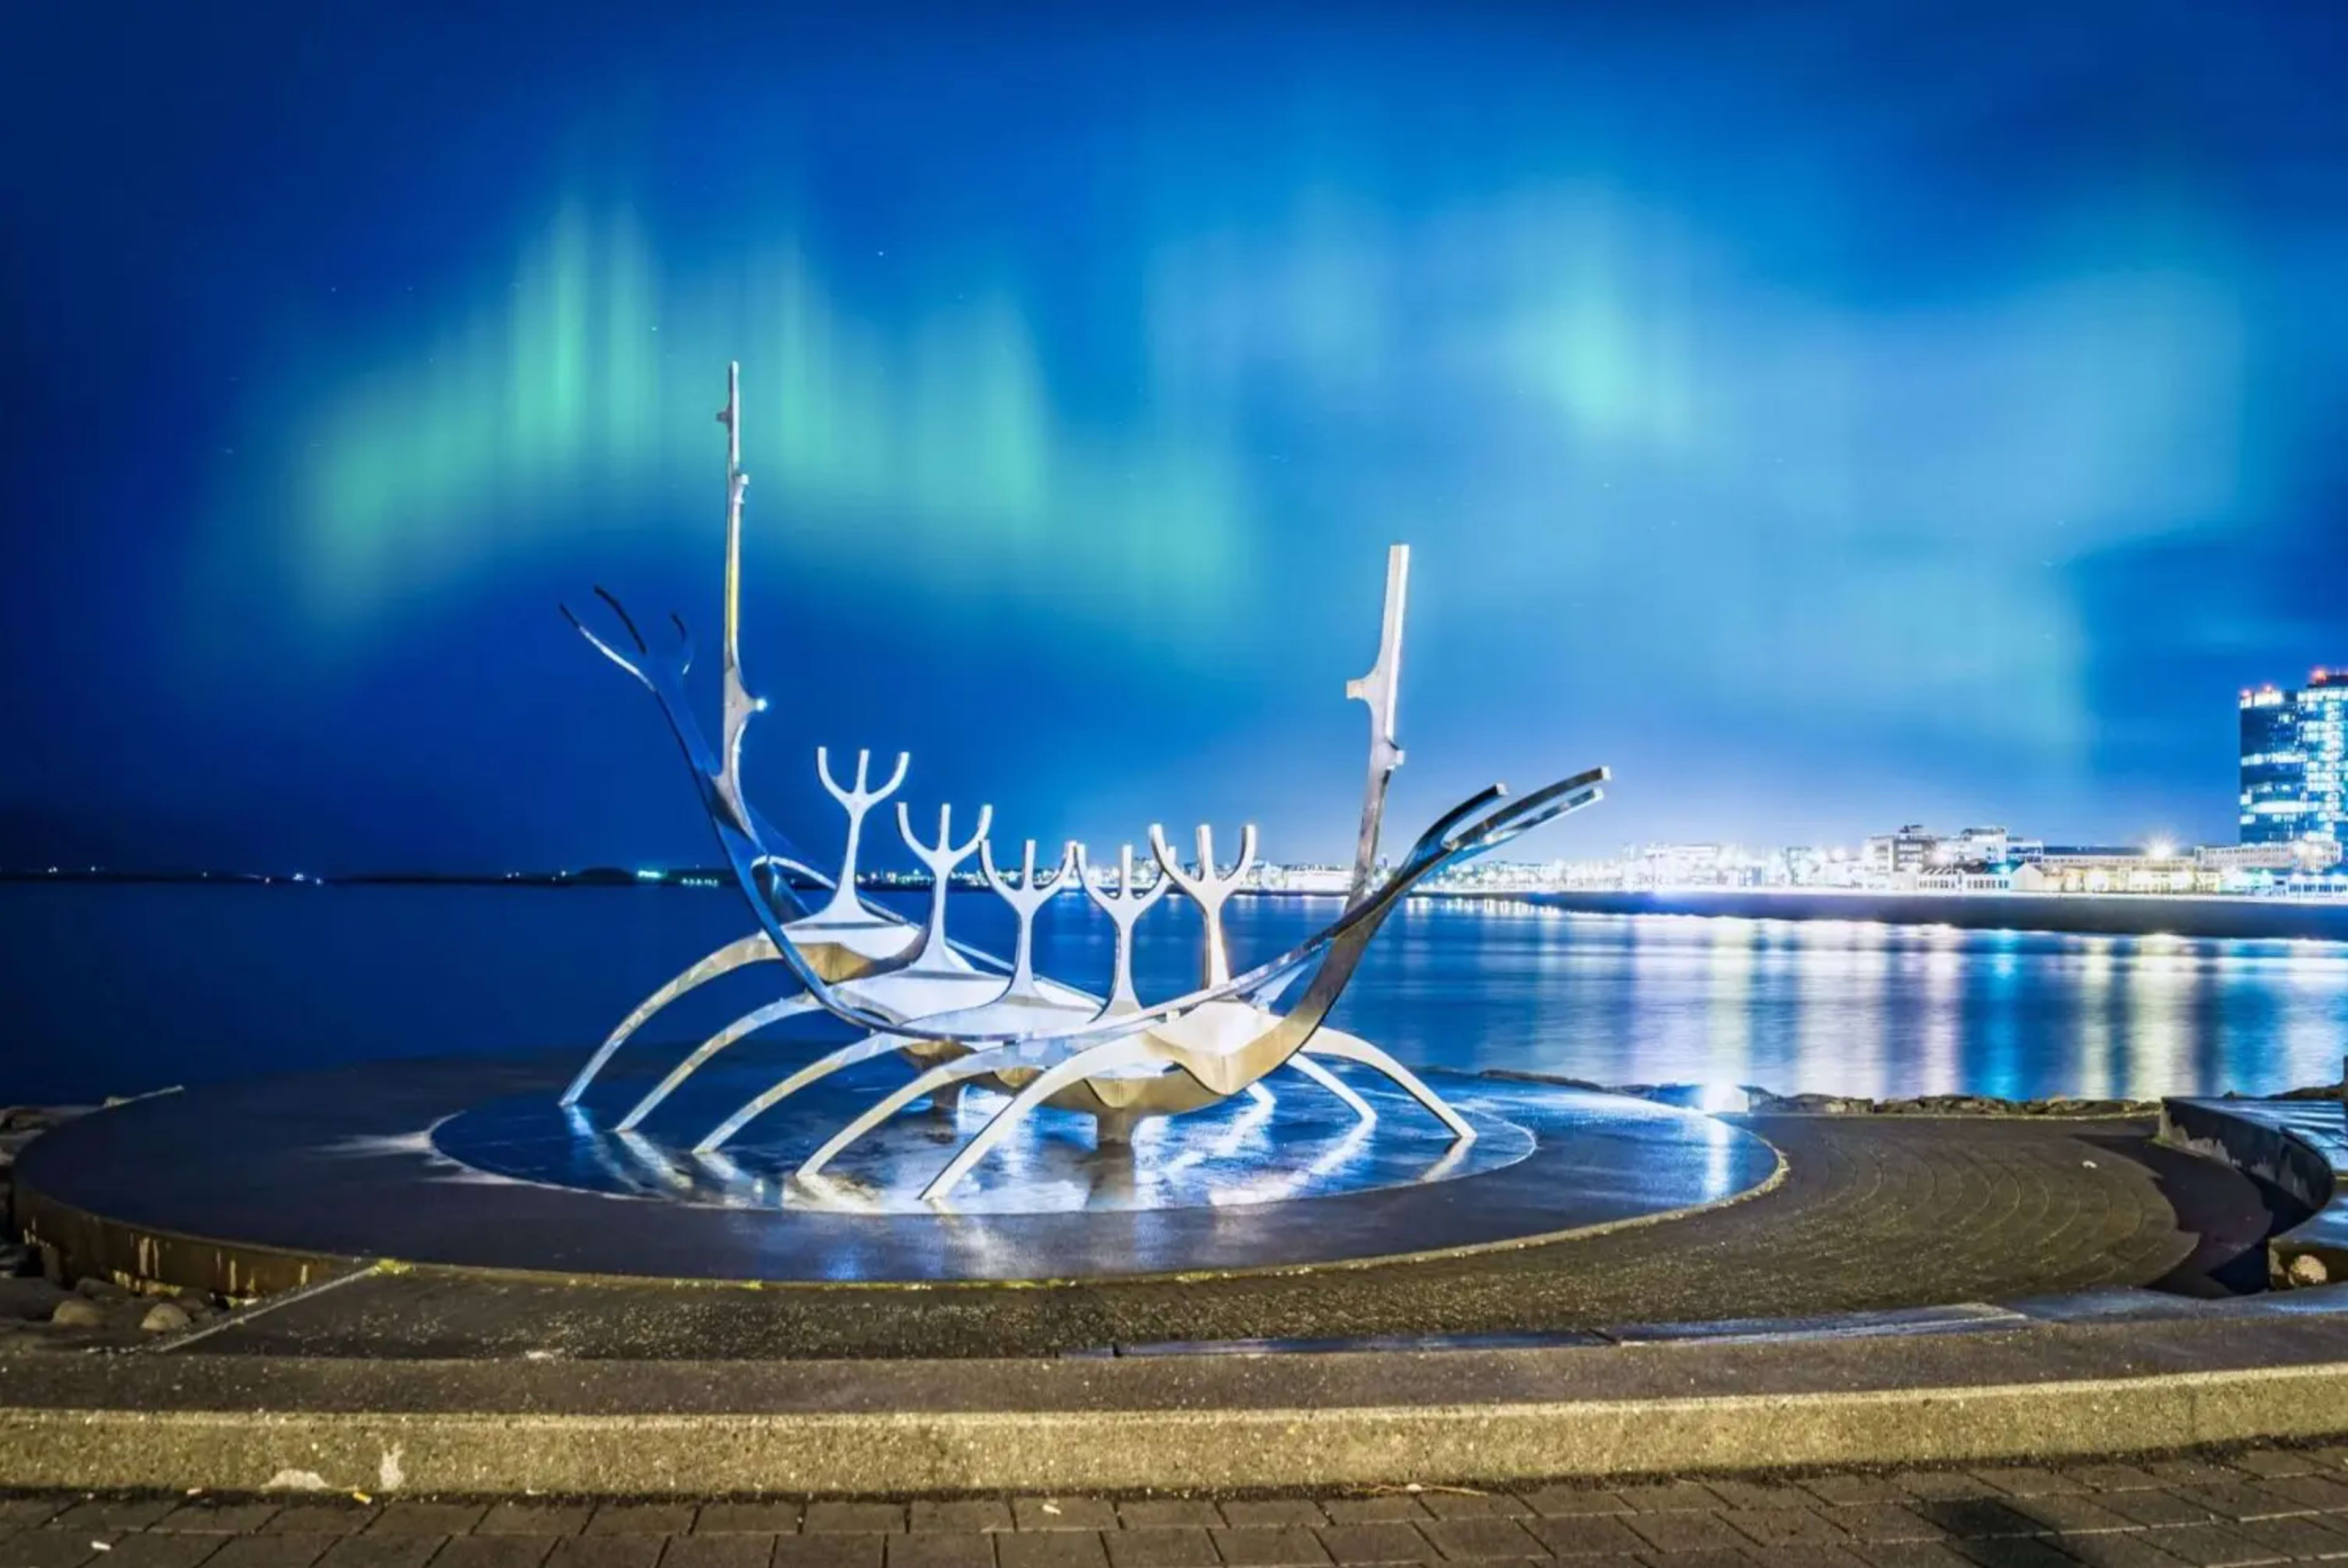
[(120, 989)]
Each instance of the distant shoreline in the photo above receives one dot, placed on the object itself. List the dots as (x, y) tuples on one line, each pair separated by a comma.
[(2091, 914), (2266, 916)]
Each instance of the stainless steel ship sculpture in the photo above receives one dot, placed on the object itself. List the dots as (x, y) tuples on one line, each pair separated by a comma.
[(963, 1017)]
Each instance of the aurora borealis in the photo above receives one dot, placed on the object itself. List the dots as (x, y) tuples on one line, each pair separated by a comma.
[(1831, 416)]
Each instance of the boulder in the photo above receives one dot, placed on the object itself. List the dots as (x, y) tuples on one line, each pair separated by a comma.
[(79, 1312), (165, 1317)]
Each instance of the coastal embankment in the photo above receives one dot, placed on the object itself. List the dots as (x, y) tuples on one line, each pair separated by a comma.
[(2119, 915)]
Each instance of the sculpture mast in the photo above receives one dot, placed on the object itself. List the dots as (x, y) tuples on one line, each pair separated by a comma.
[(739, 703), (1379, 690)]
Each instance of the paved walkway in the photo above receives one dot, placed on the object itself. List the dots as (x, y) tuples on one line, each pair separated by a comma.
[(1875, 1212), (2256, 1506)]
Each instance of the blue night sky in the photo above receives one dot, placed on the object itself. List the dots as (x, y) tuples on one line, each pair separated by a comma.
[(1829, 415)]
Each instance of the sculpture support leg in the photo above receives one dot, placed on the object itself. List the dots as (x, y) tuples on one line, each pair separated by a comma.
[(1370, 1056), (1097, 1059), (1333, 1084), (750, 950), (864, 1049), (749, 1023)]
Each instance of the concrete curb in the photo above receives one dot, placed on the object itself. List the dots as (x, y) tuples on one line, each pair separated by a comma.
[(231, 1423)]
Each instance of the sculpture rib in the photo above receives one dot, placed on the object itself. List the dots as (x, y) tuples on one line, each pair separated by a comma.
[(822, 1067), (975, 1065), (747, 1024), (1050, 1082), (757, 947)]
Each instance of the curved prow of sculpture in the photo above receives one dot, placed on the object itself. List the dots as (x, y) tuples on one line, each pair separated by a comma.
[(1208, 890), (1124, 909), (1025, 898), (941, 858), (856, 801)]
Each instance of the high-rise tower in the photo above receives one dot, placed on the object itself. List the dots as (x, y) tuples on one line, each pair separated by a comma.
[(2293, 747)]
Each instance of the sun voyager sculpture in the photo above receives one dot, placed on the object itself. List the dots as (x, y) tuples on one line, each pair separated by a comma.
[(960, 1017)]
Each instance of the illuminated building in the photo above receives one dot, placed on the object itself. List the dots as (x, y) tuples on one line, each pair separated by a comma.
[(2293, 744)]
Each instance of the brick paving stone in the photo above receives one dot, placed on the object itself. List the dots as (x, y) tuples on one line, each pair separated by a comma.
[(1851, 1488), (320, 1516), (1388, 1542), (1942, 1485), (270, 1550), (641, 1518), (1784, 1526), (635, 1549), (209, 1516), (2240, 1499), (1685, 1531), (42, 1548), (507, 1551), (837, 1550), (2028, 1480), (1885, 1522), (2302, 1535), (2155, 1507), (940, 1549), (2190, 1472), (1268, 1546), (1809, 1554), (1586, 1534), (2212, 1546), (2113, 1477), (158, 1551), (1560, 1500), (1385, 1509), (2133, 1549), (1469, 1505), (1662, 1496), (1714, 1557), (410, 1518), (1912, 1554), (529, 1517), (749, 1518), (1975, 1518), (1155, 1546), (2323, 1491), (113, 1513), (2274, 1461), (1268, 1510), (370, 1551), (965, 1513), (2014, 1552), (2066, 1513), (730, 1549), (1461, 1538), (1148, 1512), (27, 1510), (1757, 1493), (1062, 1514), (1051, 1549), (862, 1517)]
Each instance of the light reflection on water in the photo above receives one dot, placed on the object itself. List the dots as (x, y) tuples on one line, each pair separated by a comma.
[(120, 989)]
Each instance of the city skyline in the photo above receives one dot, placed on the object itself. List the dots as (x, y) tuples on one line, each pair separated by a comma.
[(1822, 452)]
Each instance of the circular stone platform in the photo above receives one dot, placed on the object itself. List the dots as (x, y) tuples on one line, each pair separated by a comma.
[(469, 1163)]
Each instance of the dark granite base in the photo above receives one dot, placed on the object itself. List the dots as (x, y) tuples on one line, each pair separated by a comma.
[(258, 1185)]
